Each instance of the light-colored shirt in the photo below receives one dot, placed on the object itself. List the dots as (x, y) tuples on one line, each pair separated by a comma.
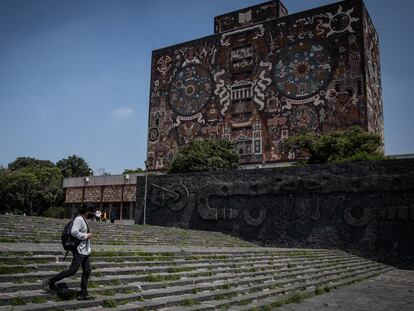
[(80, 231)]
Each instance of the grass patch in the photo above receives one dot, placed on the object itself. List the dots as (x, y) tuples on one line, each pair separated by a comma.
[(107, 292), (190, 302), (226, 286), (320, 290), (181, 269), (224, 296), (243, 302), (115, 282), (161, 278), (39, 299), (4, 239), (98, 274), (18, 301), (295, 298), (109, 303), (13, 269), (274, 286)]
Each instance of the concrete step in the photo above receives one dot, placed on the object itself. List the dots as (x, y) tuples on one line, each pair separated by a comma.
[(197, 279), (193, 270), (109, 262), (175, 293), (200, 275), (161, 269)]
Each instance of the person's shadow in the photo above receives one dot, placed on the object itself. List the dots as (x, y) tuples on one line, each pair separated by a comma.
[(64, 292)]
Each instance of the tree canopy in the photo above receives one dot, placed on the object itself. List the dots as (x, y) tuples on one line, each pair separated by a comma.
[(22, 162), (74, 166), (352, 144), (133, 171), (33, 186), (205, 155), (30, 189)]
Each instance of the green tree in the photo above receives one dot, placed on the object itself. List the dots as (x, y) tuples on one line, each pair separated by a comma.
[(22, 162), (205, 155), (30, 189), (74, 166), (133, 171), (352, 144)]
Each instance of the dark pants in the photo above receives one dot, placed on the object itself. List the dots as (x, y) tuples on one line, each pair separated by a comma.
[(77, 261)]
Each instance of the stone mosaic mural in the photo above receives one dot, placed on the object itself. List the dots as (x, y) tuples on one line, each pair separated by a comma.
[(260, 79), (363, 206)]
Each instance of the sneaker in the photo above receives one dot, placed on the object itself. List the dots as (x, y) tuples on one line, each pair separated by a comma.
[(84, 296), (48, 286)]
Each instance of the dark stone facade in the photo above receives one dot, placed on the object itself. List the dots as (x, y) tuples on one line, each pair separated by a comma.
[(363, 206), (264, 76)]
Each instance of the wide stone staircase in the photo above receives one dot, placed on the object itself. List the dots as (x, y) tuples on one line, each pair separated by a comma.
[(155, 268)]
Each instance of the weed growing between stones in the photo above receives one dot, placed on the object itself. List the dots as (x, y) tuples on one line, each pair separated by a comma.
[(109, 303), (295, 298), (18, 301), (160, 278), (39, 299), (115, 282), (107, 292), (243, 302), (190, 302), (13, 269), (320, 290), (181, 269), (7, 240)]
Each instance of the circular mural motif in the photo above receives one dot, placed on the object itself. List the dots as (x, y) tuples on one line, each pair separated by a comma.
[(190, 90), (340, 22), (303, 69), (153, 134)]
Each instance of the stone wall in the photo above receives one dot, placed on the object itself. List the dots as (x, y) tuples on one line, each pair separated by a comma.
[(363, 206)]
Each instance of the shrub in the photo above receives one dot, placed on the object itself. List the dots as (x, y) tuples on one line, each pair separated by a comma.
[(205, 155), (352, 144)]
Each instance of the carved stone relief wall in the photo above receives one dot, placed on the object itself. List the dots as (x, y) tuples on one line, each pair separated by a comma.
[(258, 83), (368, 206)]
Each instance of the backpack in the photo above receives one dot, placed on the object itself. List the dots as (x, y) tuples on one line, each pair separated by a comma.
[(69, 242)]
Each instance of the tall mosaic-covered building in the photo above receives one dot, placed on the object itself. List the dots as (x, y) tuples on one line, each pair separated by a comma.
[(265, 75)]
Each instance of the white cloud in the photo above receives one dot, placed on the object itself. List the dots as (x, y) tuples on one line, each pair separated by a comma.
[(122, 112)]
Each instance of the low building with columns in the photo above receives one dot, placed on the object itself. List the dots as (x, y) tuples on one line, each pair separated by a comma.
[(107, 193)]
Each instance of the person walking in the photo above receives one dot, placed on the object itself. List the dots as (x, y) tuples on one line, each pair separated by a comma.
[(112, 216), (81, 255), (98, 215), (103, 216)]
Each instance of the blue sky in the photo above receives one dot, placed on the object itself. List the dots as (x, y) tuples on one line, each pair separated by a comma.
[(74, 75)]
